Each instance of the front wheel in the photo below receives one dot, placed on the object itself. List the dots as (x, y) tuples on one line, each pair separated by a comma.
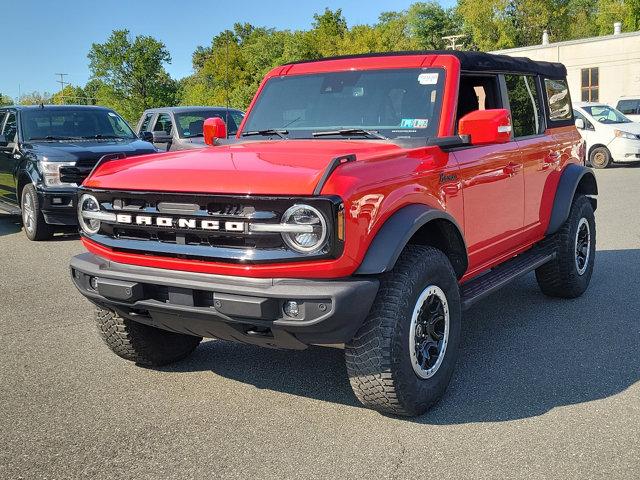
[(143, 344), (402, 357), (600, 157), (35, 226), (569, 274)]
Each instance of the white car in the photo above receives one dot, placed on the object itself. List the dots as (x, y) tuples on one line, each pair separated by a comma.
[(630, 107), (609, 135)]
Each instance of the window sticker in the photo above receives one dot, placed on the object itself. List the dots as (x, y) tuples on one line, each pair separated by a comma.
[(111, 114), (414, 123), (428, 78)]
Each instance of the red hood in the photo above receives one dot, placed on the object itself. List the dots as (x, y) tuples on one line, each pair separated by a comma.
[(266, 167)]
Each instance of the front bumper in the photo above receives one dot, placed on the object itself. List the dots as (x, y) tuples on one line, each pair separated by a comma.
[(58, 206), (242, 309), (625, 150)]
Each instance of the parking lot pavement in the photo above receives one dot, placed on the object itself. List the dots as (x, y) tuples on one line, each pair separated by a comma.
[(544, 388)]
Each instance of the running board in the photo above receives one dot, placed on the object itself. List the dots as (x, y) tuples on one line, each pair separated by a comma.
[(496, 278)]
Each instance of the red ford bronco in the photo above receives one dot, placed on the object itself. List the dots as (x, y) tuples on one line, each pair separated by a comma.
[(366, 202)]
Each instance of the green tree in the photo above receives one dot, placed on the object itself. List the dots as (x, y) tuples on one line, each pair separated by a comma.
[(5, 100), (35, 98), (71, 95), (428, 22), (132, 73)]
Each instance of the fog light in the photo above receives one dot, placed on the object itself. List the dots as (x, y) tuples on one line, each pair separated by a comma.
[(93, 281), (291, 309)]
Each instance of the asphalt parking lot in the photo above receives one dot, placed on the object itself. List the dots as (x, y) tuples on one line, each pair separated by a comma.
[(544, 388)]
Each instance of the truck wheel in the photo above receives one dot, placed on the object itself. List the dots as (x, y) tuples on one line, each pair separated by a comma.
[(568, 275), (35, 227), (402, 358), (600, 157), (141, 343)]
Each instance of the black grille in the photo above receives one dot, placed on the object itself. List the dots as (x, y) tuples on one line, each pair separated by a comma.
[(187, 242)]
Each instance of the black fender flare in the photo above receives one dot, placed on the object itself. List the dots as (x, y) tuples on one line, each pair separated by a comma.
[(396, 233), (574, 178)]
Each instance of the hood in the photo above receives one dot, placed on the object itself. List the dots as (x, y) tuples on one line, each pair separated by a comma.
[(262, 168), (633, 127), (87, 150)]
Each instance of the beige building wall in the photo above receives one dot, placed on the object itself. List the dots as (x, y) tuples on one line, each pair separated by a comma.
[(616, 56)]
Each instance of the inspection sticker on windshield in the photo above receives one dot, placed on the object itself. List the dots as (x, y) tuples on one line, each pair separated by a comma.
[(414, 123), (428, 78)]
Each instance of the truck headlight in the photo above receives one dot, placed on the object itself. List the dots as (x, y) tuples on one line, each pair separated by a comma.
[(89, 213), (311, 234), (51, 173)]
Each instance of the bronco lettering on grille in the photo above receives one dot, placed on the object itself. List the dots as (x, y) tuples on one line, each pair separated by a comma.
[(187, 223)]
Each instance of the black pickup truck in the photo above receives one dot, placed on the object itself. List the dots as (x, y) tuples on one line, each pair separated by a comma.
[(47, 151)]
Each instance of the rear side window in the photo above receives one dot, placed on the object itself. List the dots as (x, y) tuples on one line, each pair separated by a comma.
[(144, 126), (628, 107), (525, 105), (558, 99)]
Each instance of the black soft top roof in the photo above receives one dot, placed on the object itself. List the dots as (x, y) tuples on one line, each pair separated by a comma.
[(476, 62)]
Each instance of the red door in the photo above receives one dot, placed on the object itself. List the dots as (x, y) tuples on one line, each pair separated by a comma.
[(493, 191)]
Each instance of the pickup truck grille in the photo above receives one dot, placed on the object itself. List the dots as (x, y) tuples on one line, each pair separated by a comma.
[(203, 226)]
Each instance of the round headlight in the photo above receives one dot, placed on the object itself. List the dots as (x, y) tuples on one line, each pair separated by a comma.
[(313, 232), (87, 205)]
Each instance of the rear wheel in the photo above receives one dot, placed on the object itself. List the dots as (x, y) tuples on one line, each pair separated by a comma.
[(600, 157), (35, 226), (402, 358), (569, 274), (143, 344)]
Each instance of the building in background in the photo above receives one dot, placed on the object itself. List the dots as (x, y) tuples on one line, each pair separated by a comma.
[(599, 69)]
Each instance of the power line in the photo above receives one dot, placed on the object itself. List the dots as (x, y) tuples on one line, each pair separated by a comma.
[(61, 81), (453, 39)]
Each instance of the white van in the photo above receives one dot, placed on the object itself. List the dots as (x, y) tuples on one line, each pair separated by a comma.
[(610, 136)]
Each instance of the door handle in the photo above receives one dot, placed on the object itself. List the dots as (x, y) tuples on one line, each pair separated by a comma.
[(512, 169)]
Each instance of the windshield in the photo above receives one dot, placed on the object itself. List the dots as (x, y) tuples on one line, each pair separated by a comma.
[(190, 123), (401, 103), (606, 114), (58, 124)]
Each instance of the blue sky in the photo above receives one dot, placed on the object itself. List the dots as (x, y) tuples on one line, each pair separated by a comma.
[(44, 37)]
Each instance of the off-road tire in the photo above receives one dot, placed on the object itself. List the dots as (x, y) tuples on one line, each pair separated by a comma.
[(35, 228), (560, 277), (378, 357), (600, 157), (142, 344)]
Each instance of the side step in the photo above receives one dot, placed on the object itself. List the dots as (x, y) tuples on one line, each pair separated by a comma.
[(496, 278)]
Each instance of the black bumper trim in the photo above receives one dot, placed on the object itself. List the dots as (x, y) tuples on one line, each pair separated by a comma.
[(243, 309)]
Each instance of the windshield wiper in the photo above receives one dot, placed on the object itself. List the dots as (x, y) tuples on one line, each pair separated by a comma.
[(54, 137), (99, 136), (347, 132), (266, 133)]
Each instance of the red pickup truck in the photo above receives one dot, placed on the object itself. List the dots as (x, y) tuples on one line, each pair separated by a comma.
[(366, 202)]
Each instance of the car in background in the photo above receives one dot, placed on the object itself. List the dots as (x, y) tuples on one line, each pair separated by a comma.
[(610, 136), (180, 128), (47, 151), (630, 107)]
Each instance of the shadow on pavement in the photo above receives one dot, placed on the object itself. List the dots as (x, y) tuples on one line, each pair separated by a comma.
[(10, 224), (523, 354)]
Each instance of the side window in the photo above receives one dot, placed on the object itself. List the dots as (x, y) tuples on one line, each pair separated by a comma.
[(590, 84), (588, 125), (628, 107), (163, 124), (10, 129), (477, 92), (525, 105), (144, 126), (558, 98)]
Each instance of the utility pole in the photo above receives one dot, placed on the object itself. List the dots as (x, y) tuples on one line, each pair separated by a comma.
[(453, 39), (62, 83)]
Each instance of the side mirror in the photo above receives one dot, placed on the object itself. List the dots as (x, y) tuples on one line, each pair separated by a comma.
[(580, 124), (486, 126), (160, 137), (146, 136), (212, 129), (3, 140)]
